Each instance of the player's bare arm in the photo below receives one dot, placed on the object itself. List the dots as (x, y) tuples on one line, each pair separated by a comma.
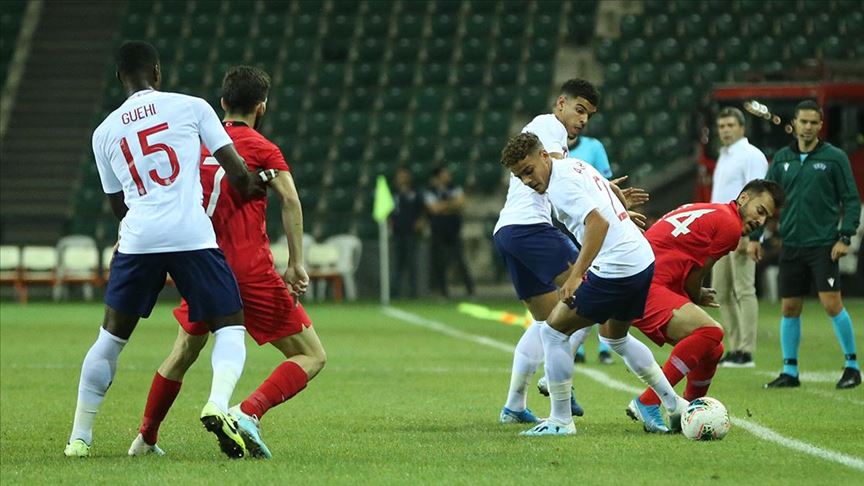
[(118, 204), (238, 173), (693, 286), (596, 228), (292, 222)]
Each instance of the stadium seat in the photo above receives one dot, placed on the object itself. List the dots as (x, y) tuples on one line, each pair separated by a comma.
[(733, 49), (386, 148), (626, 125), (684, 99), (236, 26), (506, 74), (545, 25), (614, 75), (456, 149), (355, 123), (191, 74), (652, 99), (473, 50), (675, 75), (290, 98), (305, 25), (341, 26), (822, 25), (766, 50), (376, 26), (422, 148), (535, 101), (405, 50), (346, 172), (496, 123), (394, 98), (467, 97), (439, 50), (324, 99), (169, 27), (295, 73), (637, 51), (197, 49), (645, 74), (335, 49), (350, 249), (10, 267), (511, 25), (461, 124), (320, 124), (630, 26), (538, 74), (661, 25), (660, 124), (488, 175), (365, 74), (790, 24), (301, 49), (361, 98), (799, 47), (271, 25), (724, 25), (507, 49), (620, 99), (370, 50), (477, 25), (597, 125), (134, 26), (38, 267), (708, 73), (390, 123), (77, 264), (444, 25), (853, 24), (668, 50), (542, 49), (266, 50), (399, 74), (426, 124), (739, 71), (606, 50), (756, 25), (429, 98), (409, 26), (580, 27), (331, 75), (692, 26), (833, 48), (231, 50), (470, 74)]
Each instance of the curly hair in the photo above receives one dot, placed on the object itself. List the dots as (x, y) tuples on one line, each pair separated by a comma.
[(518, 148)]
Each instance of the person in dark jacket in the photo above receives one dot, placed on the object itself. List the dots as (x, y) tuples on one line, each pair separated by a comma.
[(444, 202), (406, 220)]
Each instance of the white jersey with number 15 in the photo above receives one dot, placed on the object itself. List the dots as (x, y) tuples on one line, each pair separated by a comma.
[(150, 148), (575, 189)]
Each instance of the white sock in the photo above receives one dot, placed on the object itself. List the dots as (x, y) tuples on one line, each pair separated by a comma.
[(578, 337), (559, 373), (526, 358), (97, 372), (229, 354), (641, 362)]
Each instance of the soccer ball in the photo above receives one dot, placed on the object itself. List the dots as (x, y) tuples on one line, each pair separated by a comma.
[(705, 419)]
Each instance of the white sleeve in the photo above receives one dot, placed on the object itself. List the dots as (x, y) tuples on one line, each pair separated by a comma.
[(572, 195), (110, 183), (552, 135), (757, 165), (212, 133)]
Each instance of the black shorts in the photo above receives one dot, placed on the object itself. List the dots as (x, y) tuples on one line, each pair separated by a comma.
[(801, 266)]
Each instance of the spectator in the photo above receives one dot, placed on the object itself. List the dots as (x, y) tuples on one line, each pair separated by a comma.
[(444, 202), (406, 221), (734, 276)]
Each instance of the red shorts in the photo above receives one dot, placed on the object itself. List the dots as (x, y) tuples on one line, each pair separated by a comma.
[(658, 312), (268, 309)]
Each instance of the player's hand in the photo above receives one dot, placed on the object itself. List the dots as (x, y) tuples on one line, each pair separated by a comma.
[(635, 196), (250, 185), (742, 246), (638, 218), (839, 250), (267, 175), (618, 180), (755, 252), (707, 298), (567, 292), (297, 279)]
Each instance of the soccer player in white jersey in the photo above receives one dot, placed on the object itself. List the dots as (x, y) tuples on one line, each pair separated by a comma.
[(608, 283), (147, 153), (536, 253)]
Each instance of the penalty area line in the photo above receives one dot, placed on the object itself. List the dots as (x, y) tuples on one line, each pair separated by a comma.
[(759, 431)]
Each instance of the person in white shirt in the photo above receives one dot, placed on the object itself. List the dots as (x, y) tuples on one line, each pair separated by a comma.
[(734, 276), (608, 282), (147, 153), (537, 254)]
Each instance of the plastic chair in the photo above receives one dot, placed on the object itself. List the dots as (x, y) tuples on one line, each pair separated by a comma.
[(38, 267), (322, 266), (77, 263), (10, 268), (350, 250)]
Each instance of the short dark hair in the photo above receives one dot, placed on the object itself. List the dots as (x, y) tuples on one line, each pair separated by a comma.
[(580, 87), (808, 105), (518, 148), (244, 87), (758, 186), (732, 112), (136, 56)]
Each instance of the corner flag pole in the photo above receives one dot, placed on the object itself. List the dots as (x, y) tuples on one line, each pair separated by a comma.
[(381, 209)]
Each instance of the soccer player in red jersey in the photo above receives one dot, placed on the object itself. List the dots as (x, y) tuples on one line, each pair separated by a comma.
[(686, 243), (273, 313)]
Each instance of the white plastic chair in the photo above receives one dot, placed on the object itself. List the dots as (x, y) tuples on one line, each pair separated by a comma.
[(322, 261), (10, 267), (77, 263), (279, 249), (350, 249), (38, 266)]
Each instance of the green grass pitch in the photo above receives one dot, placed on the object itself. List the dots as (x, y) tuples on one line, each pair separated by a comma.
[(401, 403)]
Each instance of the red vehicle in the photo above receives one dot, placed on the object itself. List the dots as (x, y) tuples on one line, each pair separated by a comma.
[(842, 103)]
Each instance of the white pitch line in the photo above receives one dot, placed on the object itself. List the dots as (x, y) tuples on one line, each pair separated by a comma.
[(758, 430)]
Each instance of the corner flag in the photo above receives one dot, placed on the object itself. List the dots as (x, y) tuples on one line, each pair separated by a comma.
[(383, 205)]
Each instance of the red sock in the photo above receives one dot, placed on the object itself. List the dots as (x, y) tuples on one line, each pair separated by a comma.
[(287, 380), (699, 378), (162, 394), (686, 356)]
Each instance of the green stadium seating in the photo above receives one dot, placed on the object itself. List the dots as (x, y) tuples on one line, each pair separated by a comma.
[(487, 175), (495, 123), (339, 199), (271, 25), (477, 25), (790, 24), (169, 27), (692, 26), (460, 123), (331, 75), (341, 26), (405, 50), (627, 125), (822, 25), (614, 75), (376, 26), (409, 26), (535, 101), (507, 74), (391, 123), (469, 74), (511, 25), (335, 49), (651, 99), (418, 8), (659, 124), (542, 49), (399, 74), (323, 99), (295, 74), (379, 8), (439, 50), (853, 24), (191, 74), (724, 25), (700, 50), (739, 71), (320, 124), (474, 50), (361, 98), (301, 49), (236, 26), (266, 50), (168, 7), (355, 123), (365, 74), (630, 26), (675, 74), (444, 25), (545, 25), (661, 25), (305, 25), (351, 151), (766, 50), (834, 48), (467, 97), (395, 98), (580, 28), (430, 98), (134, 26), (606, 50), (346, 172), (684, 99), (457, 148), (733, 48), (285, 121), (422, 148), (668, 50), (620, 99), (708, 73), (645, 74), (637, 51), (597, 125), (757, 25), (426, 124), (370, 50), (386, 148), (799, 47), (538, 74)]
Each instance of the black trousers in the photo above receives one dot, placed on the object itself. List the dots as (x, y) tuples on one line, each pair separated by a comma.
[(445, 251), (405, 265)]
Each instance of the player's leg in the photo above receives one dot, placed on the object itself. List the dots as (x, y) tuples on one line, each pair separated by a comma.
[(722, 280), (696, 336), (131, 293), (204, 279), (795, 277), (191, 338)]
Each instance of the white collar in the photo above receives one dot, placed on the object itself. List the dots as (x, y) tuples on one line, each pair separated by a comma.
[(737, 146)]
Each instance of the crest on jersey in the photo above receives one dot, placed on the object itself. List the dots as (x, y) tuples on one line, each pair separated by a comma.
[(819, 166), (786, 166), (831, 282)]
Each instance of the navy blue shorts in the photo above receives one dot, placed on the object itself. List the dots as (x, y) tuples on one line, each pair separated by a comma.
[(534, 254), (203, 278), (623, 299)]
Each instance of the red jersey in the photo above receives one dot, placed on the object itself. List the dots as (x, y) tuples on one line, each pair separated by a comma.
[(240, 225), (685, 237)]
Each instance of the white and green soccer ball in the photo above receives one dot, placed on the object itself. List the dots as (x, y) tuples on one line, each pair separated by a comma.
[(705, 419)]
